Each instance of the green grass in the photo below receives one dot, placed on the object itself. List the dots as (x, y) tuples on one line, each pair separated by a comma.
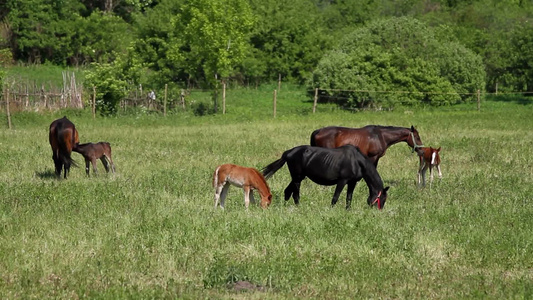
[(40, 75), (150, 230)]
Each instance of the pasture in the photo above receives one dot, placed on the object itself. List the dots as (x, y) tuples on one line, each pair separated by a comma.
[(150, 230)]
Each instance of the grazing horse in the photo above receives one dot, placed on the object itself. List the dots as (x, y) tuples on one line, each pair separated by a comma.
[(341, 166), (372, 140), (63, 137), (247, 178), (91, 152), (429, 157)]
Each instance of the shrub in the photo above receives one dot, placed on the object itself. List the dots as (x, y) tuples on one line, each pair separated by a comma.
[(398, 60)]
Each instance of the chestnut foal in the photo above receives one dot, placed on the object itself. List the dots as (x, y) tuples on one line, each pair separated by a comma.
[(429, 158), (91, 152), (247, 178)]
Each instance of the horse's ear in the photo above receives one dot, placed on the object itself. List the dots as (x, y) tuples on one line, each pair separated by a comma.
[(438, 149), (412, 128), (386, 189)]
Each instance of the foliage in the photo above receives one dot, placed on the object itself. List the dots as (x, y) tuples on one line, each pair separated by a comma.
[(215, 34), (110, 86), (399, 55), (186, 42), (288, 40)]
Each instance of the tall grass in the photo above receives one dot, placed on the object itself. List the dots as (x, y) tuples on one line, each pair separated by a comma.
[(150, 230)]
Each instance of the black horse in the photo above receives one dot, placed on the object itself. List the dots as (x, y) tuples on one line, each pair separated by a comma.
[(340, 166)]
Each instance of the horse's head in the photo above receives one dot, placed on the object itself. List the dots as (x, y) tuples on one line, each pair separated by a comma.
[(379, 199), (265, 201), (413, 140)]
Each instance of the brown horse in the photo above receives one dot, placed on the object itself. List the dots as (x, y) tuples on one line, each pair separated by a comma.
[(91, 152), (63, 137), (248, 178), (429, 158), (372, 140)]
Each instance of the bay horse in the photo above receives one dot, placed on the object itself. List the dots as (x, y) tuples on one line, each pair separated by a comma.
[(247, 178), (429, 157), (91, 152), (63, 137), (372, 140), (340, 166)]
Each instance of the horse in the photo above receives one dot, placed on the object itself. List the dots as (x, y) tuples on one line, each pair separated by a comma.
[(429, 157), (63, 137), (340, 166), (372, 140), (247, 178), (91, 152)]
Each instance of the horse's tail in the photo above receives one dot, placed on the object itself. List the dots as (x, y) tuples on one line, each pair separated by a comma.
[(67, 145), (272, 168), (313, 137), (215, 177)]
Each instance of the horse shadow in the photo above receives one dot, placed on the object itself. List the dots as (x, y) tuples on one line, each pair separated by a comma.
[(47, 174)]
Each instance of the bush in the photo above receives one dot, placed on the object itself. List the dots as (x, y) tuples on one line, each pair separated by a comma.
[(398, 61), (110, 87)]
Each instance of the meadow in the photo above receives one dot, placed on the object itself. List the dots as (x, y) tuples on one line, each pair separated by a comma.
[(150, 230)]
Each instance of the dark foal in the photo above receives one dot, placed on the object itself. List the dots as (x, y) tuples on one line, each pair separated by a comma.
[(91, 152)]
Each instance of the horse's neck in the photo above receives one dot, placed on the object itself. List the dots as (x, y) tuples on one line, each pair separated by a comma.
[(371, 177), (396, 135)]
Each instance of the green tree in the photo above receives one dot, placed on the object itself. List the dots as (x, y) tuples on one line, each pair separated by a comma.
[(289, 38), (398, 55), (211, 37)]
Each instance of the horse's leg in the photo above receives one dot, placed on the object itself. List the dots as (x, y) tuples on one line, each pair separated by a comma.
[(111, 163), (93, 161), (349, 193), (224, 193), (338, 190), (247, 191), (218, 190), (420, 167), (293, 189), (87, 162), (424, 170), (57, 163), (103, 159), (252, 200), (440, 173)]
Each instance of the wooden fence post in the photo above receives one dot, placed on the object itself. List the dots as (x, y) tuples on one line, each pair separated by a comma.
[(7, 108), (223, 97), (315, 100), (165, 101), (94, 102), (478, 101), (275, 100), (279, 81)]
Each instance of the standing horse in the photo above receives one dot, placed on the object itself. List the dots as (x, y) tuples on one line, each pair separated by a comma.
[(63, 137), (429, 157), (372, 140), (247, 178), (341, 166), (91, 152)]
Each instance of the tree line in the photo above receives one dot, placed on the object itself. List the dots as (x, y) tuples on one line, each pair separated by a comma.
[(420, 45)]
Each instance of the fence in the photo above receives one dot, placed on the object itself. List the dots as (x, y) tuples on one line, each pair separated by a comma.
[(29, 96)]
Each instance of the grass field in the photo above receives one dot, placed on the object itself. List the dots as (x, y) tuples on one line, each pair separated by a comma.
[(150, 230)]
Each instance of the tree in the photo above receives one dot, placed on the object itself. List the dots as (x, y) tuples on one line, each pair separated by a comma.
[(212, 37), (398, 55), (289, 39)]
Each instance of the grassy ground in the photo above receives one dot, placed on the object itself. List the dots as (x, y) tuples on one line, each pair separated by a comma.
[(150, 230)]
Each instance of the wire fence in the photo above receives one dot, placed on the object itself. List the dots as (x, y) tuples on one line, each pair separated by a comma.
[(24, 96)]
